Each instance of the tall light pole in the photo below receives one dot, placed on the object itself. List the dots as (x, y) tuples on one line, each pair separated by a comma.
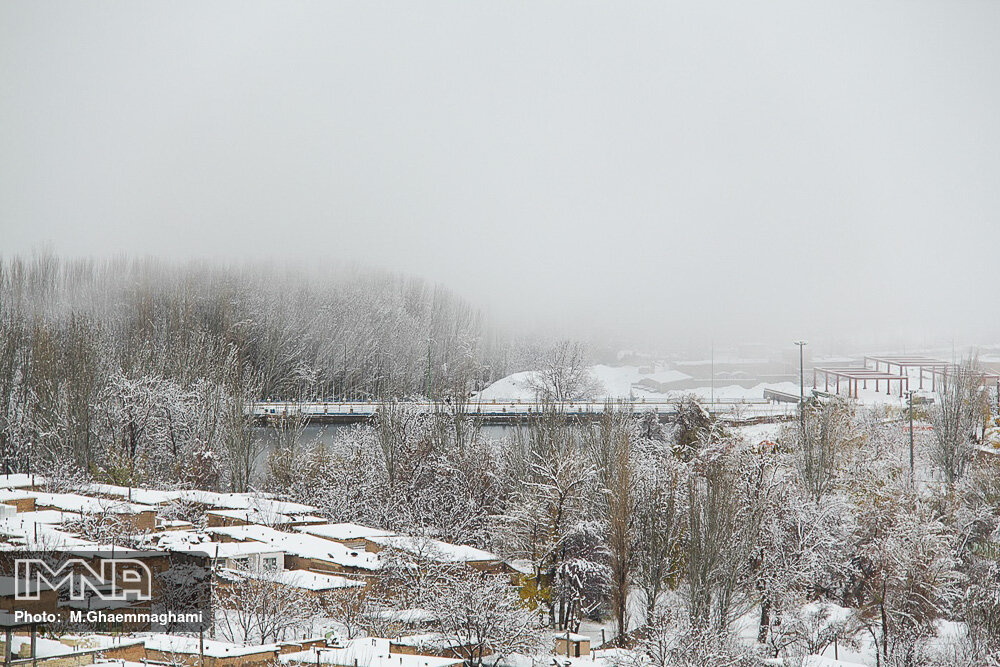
[(912, 476), (802, 389), (428, 368)]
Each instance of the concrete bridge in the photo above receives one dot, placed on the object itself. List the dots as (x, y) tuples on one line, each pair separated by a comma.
[(513, 411)]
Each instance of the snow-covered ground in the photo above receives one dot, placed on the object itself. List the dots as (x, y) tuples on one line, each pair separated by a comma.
[(631, 383), (634, 383), (625, 382), (615, 381)]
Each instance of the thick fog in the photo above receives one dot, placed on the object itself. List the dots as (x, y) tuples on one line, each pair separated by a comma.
[(673, 172)]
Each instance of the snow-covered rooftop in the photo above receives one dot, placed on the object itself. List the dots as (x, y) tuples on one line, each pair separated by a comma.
[(113, 551), (33, 535), (434, 549), (138, 495), (105, 662), (367, 652), (303, 546), (13, 494), (304, 579), (434, 640), (9, 585), (233, 501), (182, 541), (215, 649), (20, 481), (243, 501), (74, 502), (46, 648), (91, 641), (48, 517), (524, 566), (343, 531), (256, 515)]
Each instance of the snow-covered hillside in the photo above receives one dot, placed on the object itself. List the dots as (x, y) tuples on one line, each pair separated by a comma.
[(625, 382), (615, 381)]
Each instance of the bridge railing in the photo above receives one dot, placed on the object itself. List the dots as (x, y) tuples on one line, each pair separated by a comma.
[(501, 407)]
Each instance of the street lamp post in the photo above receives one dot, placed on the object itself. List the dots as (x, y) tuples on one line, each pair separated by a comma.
[(802, 389), (912, 476)]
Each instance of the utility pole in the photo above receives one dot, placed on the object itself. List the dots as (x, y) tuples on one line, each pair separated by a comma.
[(428, 368), (802, 389), (912, 476)]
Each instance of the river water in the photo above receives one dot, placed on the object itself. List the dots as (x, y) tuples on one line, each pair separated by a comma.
[(327, 433)]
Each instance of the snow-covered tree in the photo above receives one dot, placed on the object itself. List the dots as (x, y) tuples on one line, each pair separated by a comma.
[(669, 640), (694, 428), (811, 628), (582, 577), (553, 493), (827, 428), (487, 618), (612, 444), (955, 419), (727, 499), (563, 374), (659, 525), (253, 607), (905, 571)]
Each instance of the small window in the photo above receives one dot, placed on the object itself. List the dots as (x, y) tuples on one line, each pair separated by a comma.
[(270, 564)]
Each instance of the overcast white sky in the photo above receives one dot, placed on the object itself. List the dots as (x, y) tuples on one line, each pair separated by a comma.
[(743, 170)]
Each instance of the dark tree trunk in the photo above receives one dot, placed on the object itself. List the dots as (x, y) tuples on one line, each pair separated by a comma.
[(765, 620)]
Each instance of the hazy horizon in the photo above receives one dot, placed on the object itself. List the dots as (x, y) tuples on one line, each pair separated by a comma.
[(667, 174)]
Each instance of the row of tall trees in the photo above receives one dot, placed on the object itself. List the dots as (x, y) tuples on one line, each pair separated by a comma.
[(138, 371)]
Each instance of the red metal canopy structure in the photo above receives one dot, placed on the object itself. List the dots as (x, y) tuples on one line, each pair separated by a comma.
[(950, 370), (859, 375), (904, 362), (897, 369)]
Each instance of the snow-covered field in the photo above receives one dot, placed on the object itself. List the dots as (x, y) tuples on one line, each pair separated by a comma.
[(629, 382), (634, 383)]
